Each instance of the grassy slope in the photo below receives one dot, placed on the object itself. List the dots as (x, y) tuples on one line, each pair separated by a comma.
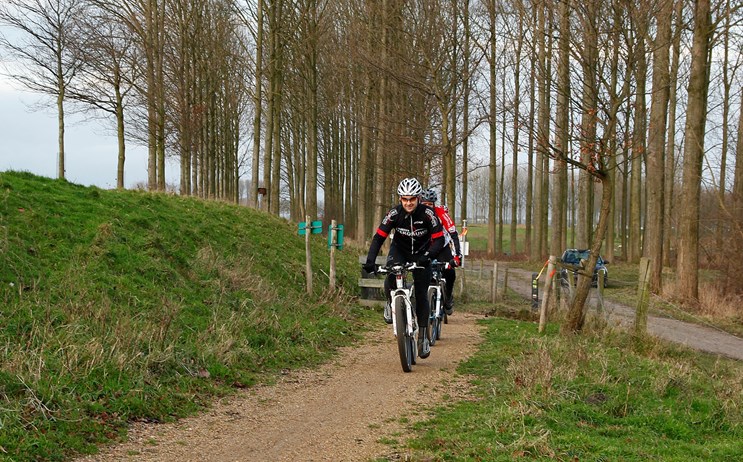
[(122, 305), (600, 396)]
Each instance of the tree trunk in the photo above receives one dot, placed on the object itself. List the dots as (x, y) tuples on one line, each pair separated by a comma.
[(529, 206), (543, 130), (312, 154), (363, 202), (562, 133), (733, 277), (466, 109), (258, 107), (576, 315), (668, 228), (638, 152), (516, 130), (726, 84), (688, 258), (120, 138), (653, 245), (492, 124), (60, 127), (588, 148)]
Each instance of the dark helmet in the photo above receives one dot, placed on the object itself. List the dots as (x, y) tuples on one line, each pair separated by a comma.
[(429, 195), (409, 187)]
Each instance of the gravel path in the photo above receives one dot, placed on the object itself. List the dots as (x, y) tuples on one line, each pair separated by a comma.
[(336, 413)]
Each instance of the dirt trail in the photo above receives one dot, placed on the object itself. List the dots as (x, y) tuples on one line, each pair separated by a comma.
[(336, 413)]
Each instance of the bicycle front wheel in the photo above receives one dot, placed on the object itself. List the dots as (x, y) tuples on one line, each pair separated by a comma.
[(404, 343), (434, 325)]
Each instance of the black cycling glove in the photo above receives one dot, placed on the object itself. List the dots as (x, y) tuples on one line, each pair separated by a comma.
[(423, 260)]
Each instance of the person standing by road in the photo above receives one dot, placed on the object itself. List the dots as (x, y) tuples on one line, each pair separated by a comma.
[(418, 234)]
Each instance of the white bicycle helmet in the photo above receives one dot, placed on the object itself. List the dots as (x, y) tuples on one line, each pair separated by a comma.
[(409, 187)]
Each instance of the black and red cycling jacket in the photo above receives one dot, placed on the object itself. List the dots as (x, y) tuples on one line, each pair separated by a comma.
[(451, 237), (418, 233)]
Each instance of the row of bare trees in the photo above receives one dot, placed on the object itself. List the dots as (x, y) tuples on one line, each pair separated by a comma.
[(322, 106)]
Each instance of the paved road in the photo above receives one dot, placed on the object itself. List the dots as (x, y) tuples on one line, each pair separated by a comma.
[(695, 336)]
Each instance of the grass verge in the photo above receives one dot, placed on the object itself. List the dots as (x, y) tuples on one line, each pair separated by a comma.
[(117, 306), (599, 396)]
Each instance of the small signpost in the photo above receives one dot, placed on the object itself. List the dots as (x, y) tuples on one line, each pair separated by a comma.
[(314, 227), (465, 248), (335, 240)]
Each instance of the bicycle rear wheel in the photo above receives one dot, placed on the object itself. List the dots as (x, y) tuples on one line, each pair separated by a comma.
[(444, 317), (404, 343)]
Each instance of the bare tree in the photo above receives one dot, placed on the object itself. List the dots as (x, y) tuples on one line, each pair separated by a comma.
[(110, 73), (42, 52)]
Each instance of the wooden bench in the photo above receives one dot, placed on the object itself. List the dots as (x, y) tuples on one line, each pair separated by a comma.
[(372, 285)]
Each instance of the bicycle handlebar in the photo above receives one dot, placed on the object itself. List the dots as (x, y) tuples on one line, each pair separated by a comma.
[(438, 265), (396, 267)]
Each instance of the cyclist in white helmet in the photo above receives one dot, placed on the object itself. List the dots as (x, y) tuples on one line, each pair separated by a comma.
[(418, 235)]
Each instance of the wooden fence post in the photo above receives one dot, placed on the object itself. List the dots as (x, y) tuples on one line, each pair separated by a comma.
[(643, 292), (505, 284), (333, 239), (308, 256), (494, 289)]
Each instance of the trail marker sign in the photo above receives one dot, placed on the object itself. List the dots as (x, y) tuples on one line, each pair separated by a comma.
[(315, 227)]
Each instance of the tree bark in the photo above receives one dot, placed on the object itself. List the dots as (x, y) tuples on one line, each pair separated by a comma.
[(559, 196), (688, 258), (653, 245), (492, 124), (257, 107), (670, 158), (638, 149)]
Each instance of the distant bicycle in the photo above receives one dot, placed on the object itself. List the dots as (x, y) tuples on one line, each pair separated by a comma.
[(404, 322), (437, 298)]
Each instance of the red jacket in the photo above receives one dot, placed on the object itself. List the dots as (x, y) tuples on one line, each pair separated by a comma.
[(450, 229)]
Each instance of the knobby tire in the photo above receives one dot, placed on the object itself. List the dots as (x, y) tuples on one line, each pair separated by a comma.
[(403, 340)]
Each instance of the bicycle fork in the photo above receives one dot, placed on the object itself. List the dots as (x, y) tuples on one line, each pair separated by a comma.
[(411, 327)]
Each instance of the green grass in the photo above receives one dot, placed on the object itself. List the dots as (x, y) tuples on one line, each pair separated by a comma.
[(593, 397), (477, 236), (119, 306)]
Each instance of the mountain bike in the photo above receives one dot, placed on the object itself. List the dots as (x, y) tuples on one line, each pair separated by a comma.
[(404, 323), (436, 298)]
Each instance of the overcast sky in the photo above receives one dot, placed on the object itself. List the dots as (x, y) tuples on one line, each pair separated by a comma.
[(28, 142)]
